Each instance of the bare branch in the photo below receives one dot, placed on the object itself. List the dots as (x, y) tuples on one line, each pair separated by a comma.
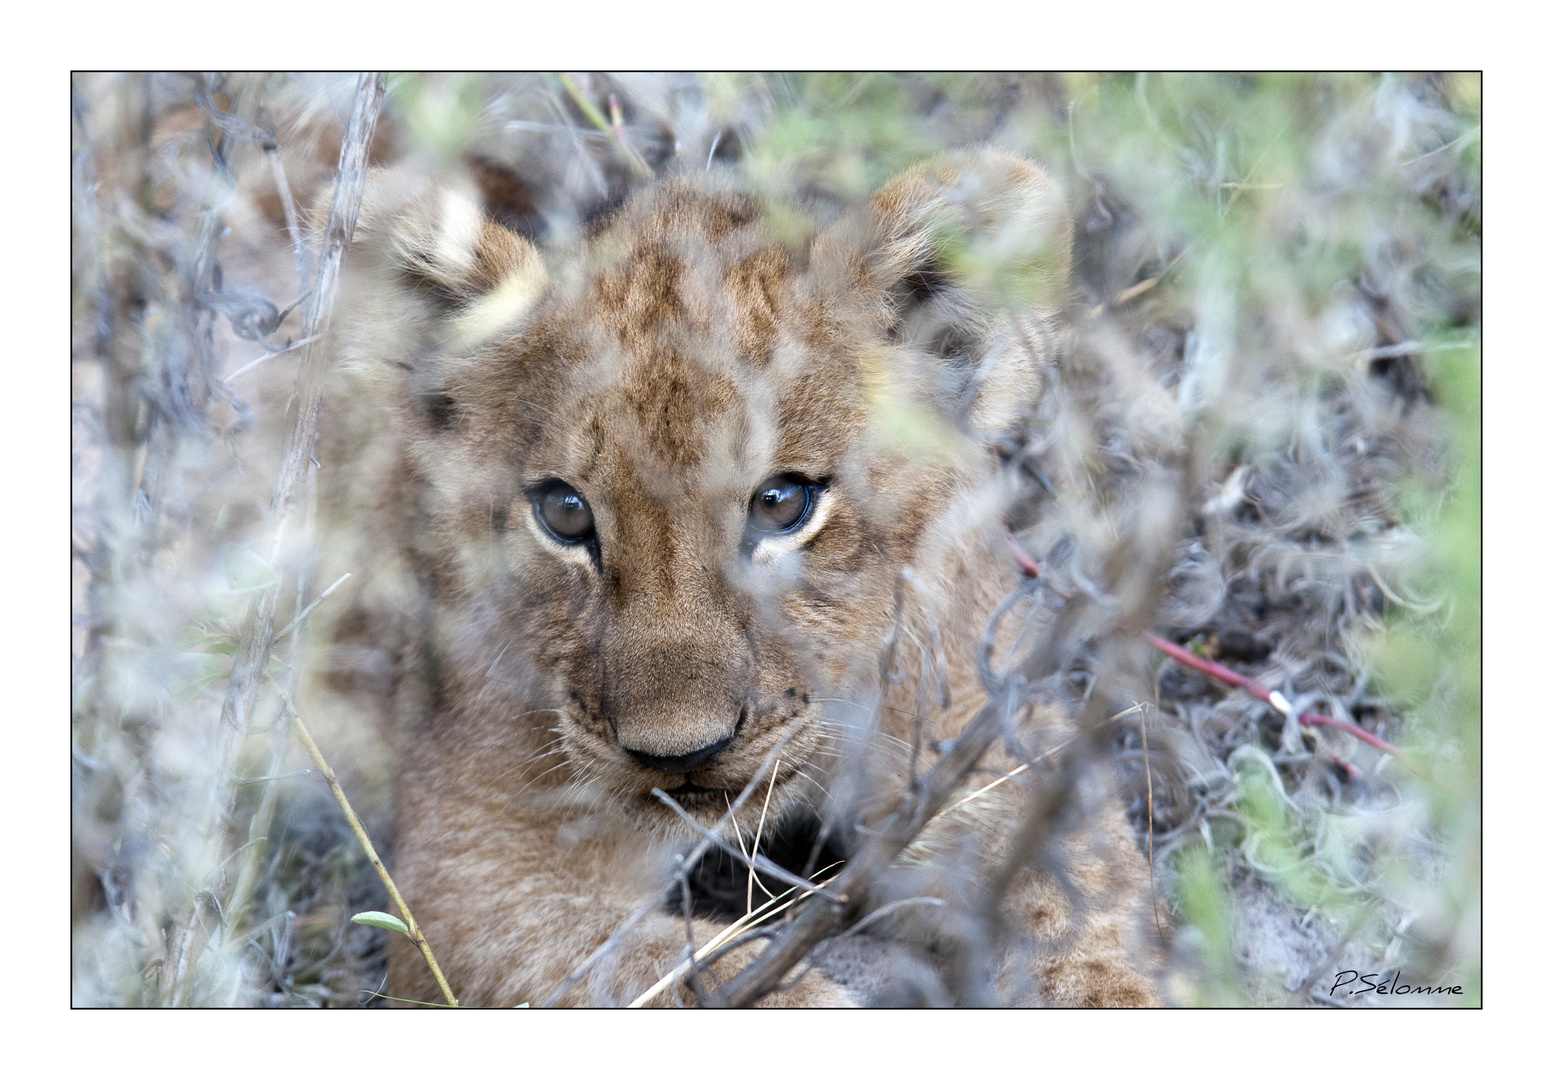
[(254, 646), (365, 841), (257, 638), (755, 860), (687, 863), (822, 919)]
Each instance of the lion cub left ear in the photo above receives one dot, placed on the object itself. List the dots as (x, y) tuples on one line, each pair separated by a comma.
[(965, 257), (445, 249)]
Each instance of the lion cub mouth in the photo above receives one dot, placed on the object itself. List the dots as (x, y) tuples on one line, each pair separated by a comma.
[(706, 802), (721, 887), (693, 796)]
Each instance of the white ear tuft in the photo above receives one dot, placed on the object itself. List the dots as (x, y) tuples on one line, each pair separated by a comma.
[(438, 237)]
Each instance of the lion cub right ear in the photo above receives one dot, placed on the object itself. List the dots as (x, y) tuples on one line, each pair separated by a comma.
[(436, 240), (964, 258)]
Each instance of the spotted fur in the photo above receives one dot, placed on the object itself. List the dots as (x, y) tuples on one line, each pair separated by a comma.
[(663, 367)]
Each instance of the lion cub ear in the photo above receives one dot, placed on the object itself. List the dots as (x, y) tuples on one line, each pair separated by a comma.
[(965, 257), (436, 240)]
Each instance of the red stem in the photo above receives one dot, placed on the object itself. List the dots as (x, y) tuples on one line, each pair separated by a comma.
[(1256, 689), (1233, 678), (1347, 767), (1027, 564)]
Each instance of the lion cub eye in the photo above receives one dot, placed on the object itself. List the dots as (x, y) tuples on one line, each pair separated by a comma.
[(563, 512), (781, 504)]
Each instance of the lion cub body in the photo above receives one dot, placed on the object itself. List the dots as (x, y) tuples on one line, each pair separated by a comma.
[(669, 372)]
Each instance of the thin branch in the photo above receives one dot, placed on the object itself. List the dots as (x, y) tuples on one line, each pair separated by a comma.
[(1133, 572), (262, 357), (714, 948), (1224, 674), (597, 119), (1389, 352), (1257, 690), (609, 946), (819, 921), (256, 640), (687, 863), (1148, 821), (755, 859), (749, 884), (254, 646), (293, 222), (889, 909), (305, 612), (365, 841), (1474, 133)]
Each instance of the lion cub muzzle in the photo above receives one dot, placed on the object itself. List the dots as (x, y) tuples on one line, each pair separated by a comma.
[(681, 741), (676, 705)]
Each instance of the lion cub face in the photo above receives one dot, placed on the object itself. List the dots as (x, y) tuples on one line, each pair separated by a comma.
[(668, 485)]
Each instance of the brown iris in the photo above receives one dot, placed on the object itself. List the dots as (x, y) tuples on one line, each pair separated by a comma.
[(781, 504), (563, 512)]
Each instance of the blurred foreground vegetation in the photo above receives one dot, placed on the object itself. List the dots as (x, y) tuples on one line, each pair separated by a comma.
[(1287, 266)]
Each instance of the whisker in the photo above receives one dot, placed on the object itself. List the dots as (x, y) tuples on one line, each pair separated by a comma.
[(885, 735), (538, 756), (536, 779), (499, 655), (801, 771)]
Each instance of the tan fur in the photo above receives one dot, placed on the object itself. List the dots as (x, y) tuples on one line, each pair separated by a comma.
[(664, 369)]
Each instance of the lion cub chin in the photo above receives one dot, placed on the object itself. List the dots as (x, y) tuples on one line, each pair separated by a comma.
[(647, 514)]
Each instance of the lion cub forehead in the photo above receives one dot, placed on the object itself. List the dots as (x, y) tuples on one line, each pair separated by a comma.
[(677, 209), (688, 262), (665, 411), (692, 340)]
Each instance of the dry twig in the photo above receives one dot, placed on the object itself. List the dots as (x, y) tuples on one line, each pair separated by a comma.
[(254, 646), (414, 930), (257, 638), (709, 838), (615, 131), (824, 918), (1257, 690)]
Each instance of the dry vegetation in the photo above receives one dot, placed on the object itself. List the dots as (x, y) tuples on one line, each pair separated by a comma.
[(1263, 445)]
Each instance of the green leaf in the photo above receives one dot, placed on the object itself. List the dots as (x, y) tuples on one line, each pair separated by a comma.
[(382, 920), (245, 571)]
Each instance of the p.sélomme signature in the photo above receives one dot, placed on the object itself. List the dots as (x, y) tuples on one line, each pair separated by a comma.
[(1393, 985)]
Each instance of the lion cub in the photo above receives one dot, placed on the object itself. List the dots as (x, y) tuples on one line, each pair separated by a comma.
[(664, 499)]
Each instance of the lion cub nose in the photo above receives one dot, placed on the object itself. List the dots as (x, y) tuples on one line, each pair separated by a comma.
[(680, 763)]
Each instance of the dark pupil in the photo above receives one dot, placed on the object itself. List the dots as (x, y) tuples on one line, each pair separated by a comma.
[(779, 506), (566, 513)]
